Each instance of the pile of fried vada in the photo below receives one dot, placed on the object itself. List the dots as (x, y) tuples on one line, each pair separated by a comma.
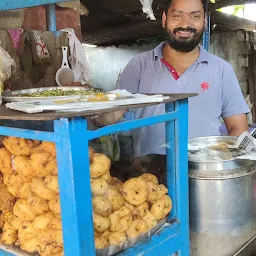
[(126, 210), (29, 200), (30, 214)]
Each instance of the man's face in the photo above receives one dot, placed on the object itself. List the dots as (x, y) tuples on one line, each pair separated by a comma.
[(184, 24)]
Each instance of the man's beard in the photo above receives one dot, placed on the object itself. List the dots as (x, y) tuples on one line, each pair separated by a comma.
[(184, 44)]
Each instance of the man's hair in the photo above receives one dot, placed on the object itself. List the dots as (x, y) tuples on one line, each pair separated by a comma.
[(204, 2)]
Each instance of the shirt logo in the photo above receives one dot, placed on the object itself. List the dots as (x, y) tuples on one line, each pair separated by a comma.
[(205, 86)]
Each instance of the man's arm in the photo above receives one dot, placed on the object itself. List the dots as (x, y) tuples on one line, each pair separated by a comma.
[(237, 124), (129, 80), (234, 107)]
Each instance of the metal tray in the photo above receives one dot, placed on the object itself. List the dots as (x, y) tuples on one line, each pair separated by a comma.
[(113, 250), (14, 96)]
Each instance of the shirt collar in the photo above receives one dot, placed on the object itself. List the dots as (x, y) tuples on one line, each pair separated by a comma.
[(203, 57)]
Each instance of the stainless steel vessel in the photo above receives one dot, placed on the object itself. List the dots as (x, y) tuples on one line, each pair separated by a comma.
[(222, 203)]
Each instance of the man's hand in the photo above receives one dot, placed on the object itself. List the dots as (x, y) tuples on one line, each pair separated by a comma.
[(236, 125), (108, 118)]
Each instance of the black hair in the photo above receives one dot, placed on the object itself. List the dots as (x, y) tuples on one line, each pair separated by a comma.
[(204, 2)]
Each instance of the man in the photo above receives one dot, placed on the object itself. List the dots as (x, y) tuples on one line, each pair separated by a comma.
[(181, 65)]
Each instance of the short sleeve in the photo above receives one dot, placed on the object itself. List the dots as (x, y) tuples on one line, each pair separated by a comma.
[(129, 79), (233, 102)]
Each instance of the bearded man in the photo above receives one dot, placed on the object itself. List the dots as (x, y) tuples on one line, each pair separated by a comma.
[(181, 65)]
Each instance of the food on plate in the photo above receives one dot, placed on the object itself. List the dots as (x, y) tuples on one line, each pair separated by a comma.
[(115, 198), (99, 186), (100, 165), (140, 211), (49, 147), (120, 220), (101, 224), (44, 163), (138, 227), (152, 192), (101, 206), (20, 146), (23, 167), (51, 182), (116, 238), (162, 207), (150, 219), (6, 161), (135, 191), (150, 178)]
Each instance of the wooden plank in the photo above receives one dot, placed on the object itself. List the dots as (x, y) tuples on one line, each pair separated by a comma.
[(8, 114), (252, 83)]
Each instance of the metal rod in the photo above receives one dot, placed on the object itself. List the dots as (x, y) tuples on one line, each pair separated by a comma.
[(250, 241), (51, 17), (207, 32)]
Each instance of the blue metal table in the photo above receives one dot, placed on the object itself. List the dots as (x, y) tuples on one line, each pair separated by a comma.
[(72, 136)]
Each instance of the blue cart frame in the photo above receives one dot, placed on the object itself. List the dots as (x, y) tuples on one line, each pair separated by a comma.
[(72, 138)]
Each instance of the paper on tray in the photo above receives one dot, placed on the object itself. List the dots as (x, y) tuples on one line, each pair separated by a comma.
[(79, 106)]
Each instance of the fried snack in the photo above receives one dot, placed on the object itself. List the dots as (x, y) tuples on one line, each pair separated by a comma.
[(7, 200), (101, 206), (51, 250), (55, 223), (162, 207), (13, 222), (54, 205), (25, 191), (161, 190), (1, 221), (5, 161), (51, 182), (140, 211), (150, 219), (152, 192), (14, 184), (38, 149), (135, 191), (24, 168), (99, 187), (137, 228), (129, 206), (91, 153), (106, 176), (149, 178), (42, 221), (43, 163), (20, 146), (115, 183), (23, 211), (115, 198), (26, 232), (100, 165), (37, 204), (51, 236), (32, 245), (101, 223), (9, 235), (116, 238), (120, 220), (38, 187), (101, 242), (49, 147)]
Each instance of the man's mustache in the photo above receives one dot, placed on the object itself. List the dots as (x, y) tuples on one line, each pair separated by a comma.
[(188, 29)]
